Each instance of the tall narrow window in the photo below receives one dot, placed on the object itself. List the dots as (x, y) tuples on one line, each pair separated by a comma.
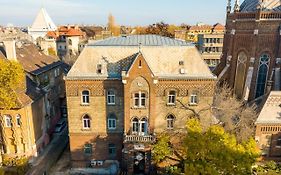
[(240, 75), (140, 63), (88, 149), (111, 97), (193, 98), (111, 122), (262, 75), (86, 122), (8, 121), (135, 125), (140, 99), (170, 121), (85, 97), (18, 120), (172, 98), (111, 149), (143, 126)]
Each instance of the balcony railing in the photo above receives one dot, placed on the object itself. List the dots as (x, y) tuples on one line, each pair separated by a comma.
[(139, 138)]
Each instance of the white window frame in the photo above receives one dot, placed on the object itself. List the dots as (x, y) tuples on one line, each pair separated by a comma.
[(86, 122), (138, 96), (111, 97), (85, 99), (111, 123), (135, 124), (18, 120), (170, 121), (172, 98), (194, 99), (8, 121)]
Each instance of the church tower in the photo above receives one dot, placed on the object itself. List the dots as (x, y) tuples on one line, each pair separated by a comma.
[(41, 25), (251, 55)]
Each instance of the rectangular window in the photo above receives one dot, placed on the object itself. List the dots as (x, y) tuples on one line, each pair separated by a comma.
[(88, 149), (99, 68), (111, 97), (193, 99), (112, 123), (172, 98), (140, 99), (112, 149)]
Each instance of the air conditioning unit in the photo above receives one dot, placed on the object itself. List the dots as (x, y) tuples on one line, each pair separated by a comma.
[(182, 71), (100, 163), (93, 163)]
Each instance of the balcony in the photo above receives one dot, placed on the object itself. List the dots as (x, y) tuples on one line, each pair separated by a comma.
[(140, 138)]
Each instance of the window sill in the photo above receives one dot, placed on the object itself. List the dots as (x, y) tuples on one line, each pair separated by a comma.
[(84, 104), (171, 104), (193, 104), (136, 107), (111, 104)]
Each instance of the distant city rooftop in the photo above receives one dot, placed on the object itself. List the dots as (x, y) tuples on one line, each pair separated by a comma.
[(143, 40)]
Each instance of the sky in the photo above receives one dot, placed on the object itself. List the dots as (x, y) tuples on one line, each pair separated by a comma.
[(126, 12)]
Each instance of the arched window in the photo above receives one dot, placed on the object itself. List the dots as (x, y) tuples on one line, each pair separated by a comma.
[(18, 119), (111, 122), (172, 98), (86, 122), (143, 126), (240, 75), (111, 97), (8, 121), (170, 121), (85, 97), (135, 125), (262, 75)]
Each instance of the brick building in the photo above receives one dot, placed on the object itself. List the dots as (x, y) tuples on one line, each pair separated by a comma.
[(268, 127), (27, 128), (251, 54), (122, 91)]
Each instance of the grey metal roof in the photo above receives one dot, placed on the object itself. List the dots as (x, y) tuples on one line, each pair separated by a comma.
[(267, 5), (144, 40)]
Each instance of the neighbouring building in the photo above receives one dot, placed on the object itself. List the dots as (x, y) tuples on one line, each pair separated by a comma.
[(122, 91), (194, 31), (268, 127), (41, 25), (211, 45), (27, 128), (251, 55)]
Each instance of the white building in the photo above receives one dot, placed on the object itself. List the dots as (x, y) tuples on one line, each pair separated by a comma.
[(41, 25)]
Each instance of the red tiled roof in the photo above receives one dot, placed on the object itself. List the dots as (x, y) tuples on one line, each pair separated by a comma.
[(218, 26), (52, 34), (203, 27), (70, 31)]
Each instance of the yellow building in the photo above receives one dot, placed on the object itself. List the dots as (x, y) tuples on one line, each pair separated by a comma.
[(25, 130)]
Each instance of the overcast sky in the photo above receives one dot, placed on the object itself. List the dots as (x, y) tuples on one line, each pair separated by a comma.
[(126, 12)]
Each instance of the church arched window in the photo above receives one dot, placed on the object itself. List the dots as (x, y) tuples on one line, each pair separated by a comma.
[(240, 75), (262, 75)]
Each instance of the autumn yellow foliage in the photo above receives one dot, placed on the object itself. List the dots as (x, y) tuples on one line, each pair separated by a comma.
[(11, 76)]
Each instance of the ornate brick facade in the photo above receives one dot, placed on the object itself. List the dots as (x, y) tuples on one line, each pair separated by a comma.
[(141, 108)]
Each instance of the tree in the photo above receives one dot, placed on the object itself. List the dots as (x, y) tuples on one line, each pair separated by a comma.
[(236, 116), (11, 76), (160, 28), (115, 29), (208, 152)]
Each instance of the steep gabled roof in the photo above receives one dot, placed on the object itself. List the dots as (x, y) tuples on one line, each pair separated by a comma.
[(43, 22)]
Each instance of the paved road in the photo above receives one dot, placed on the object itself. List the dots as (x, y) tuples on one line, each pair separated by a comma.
[(50, 155)]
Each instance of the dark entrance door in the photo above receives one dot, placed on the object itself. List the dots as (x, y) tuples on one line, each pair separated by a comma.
[(139, 163)]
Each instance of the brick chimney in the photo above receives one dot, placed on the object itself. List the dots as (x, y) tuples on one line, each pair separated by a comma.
[(10, 48)]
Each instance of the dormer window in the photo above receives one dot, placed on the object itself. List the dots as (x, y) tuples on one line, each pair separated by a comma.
[(99, 68)]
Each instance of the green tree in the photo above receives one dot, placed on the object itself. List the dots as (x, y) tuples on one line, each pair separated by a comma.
[(11, 77), (207, 152)]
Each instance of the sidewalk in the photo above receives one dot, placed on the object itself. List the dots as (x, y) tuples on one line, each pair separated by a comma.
[(44, 162)]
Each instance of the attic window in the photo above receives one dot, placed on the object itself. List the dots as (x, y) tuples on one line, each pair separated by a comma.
[(139, 63), (181, 63), (99, 68)]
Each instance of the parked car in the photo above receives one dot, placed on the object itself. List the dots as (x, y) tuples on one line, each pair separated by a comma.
[(60, 126)]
